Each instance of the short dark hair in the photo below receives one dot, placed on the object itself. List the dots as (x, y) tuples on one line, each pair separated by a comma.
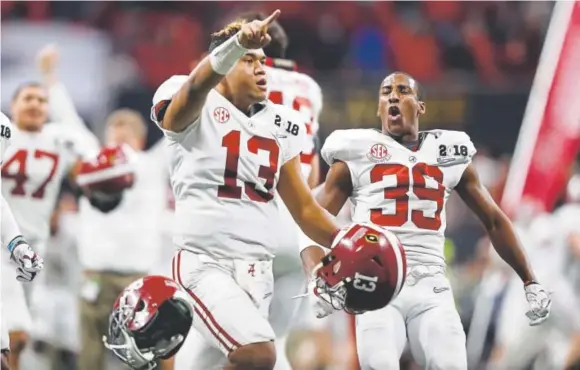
[(25, 85), (221, 36), (419, 87), (277, 47)]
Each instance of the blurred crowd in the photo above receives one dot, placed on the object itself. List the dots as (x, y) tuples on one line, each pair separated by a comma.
[(491, 40), (492, 45)]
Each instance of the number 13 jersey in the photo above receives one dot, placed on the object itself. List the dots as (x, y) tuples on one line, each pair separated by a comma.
[(224, 169), (404, 190)]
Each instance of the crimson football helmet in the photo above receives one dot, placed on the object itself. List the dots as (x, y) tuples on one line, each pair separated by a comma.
[(364, 270), (151, 319), (111, 171)]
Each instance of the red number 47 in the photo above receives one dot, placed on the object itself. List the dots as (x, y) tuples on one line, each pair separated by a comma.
[(20, 177)]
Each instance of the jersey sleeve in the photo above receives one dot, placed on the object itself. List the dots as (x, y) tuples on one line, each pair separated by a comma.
[(456, 151), (6, 135), (161, 100), (291, 133), (336, 147), (10, 230)]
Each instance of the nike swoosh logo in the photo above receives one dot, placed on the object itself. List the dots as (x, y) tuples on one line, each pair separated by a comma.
[(439, 290)]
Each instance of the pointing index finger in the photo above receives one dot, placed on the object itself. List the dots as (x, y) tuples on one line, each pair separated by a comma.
[(268, 21)]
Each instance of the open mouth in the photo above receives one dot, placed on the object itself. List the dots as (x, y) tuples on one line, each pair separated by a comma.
[(262, 84), (394, 113)]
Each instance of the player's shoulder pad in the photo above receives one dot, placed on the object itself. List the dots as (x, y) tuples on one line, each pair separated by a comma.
[(170, 87), (453, 147), (346, 145), (287, 120)]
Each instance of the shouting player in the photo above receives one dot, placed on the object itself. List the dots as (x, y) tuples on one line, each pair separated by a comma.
[(400, 178), (231, 150)]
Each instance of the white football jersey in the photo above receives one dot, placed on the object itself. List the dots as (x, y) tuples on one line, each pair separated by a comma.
[(401, 189), (224, 169), (301, 93), (33, 169), (6, 130)]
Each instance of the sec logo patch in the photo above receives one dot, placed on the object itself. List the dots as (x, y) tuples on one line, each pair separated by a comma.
[(221, 115), (378, 153)]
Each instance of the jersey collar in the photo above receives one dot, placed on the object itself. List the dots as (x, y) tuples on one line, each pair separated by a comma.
[(415, 148)]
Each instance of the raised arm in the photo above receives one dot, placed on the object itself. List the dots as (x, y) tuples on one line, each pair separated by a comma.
[(313, 217), (185, 106), (60, 104)]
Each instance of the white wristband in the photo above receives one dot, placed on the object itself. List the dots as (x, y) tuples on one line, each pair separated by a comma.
[(224, 57)]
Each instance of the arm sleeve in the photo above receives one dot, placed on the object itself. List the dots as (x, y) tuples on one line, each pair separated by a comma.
[(11, 236), (294, 143), (62, 109), (161, 100)]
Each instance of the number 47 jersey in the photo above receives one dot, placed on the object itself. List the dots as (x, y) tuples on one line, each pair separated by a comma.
[(404, 190), (224, 169)]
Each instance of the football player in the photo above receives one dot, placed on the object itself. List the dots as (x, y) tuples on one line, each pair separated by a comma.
[(231, 150), (39, 158), (29, 263), (144, 203), (298, 91), (555, 238), (151, 318), (400, 178)]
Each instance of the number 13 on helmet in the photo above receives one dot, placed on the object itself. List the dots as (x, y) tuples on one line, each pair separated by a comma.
[(365, 269)]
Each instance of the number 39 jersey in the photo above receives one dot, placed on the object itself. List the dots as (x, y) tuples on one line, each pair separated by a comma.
[(401, 189), (34, 166), (224, 169)]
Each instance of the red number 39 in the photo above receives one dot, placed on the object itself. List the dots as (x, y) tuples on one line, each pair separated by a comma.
[(400, 195)]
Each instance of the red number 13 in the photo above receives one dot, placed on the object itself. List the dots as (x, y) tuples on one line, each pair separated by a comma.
[(400, 194), (230, 188)]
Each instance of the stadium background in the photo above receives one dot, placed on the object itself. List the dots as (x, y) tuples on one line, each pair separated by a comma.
[(477, 61)]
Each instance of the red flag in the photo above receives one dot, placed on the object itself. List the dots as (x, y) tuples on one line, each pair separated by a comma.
[(549, 138)]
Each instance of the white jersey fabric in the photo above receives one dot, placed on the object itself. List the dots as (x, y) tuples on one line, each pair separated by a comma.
[(110, 241), (300, 92), (401, 189), (224, 169), (34, 167), (6, 129), (5, 134)]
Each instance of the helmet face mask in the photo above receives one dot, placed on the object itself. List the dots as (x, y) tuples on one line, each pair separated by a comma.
[(150, 320), (123, 345)]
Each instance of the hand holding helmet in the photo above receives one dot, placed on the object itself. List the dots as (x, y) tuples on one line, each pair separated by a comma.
[(364, 270)]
